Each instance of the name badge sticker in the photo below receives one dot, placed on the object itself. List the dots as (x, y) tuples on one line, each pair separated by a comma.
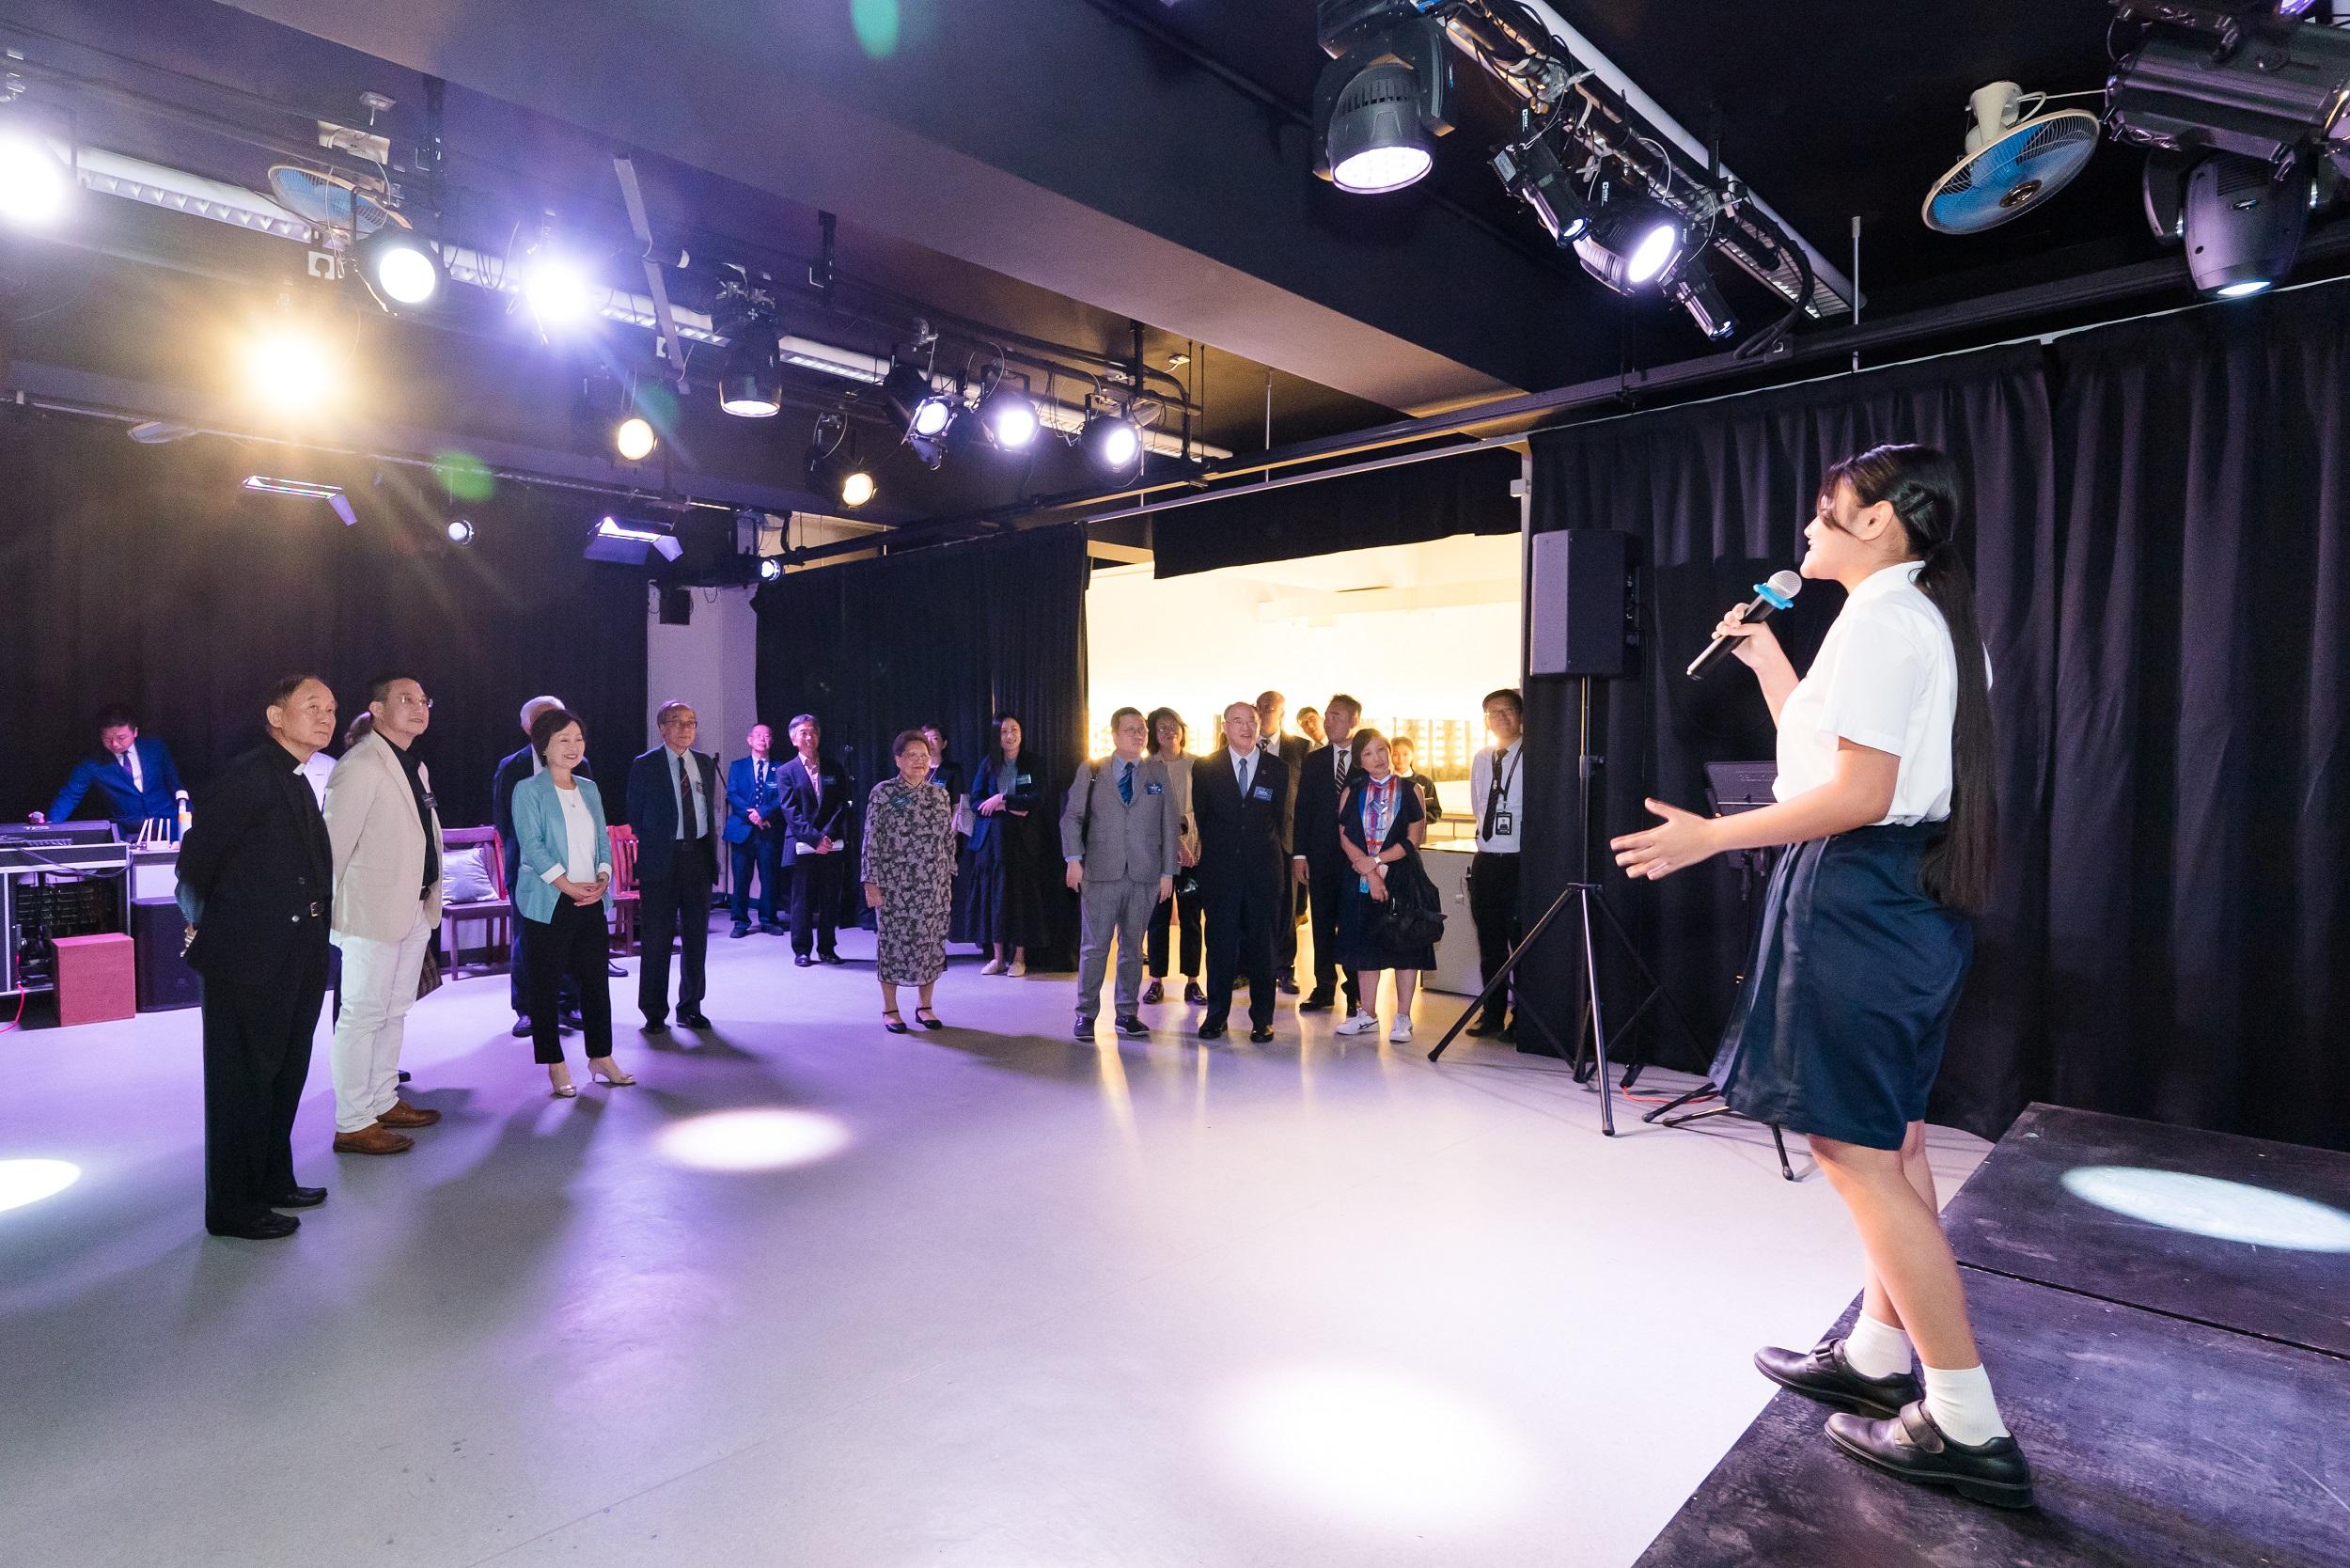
[(1154, 789), (1263, 791), (1026, 778)]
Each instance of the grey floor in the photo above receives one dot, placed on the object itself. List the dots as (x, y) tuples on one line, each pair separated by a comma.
[(815, 1295)]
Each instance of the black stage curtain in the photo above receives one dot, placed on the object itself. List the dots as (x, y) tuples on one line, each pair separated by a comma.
[(146, 576), (2156, 520), (1420, 501), (953, 635)]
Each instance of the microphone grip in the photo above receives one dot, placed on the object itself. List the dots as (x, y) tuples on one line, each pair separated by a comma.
[(1757, 610)]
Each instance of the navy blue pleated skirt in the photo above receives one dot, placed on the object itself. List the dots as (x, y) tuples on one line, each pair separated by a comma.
[(1840, 1028)]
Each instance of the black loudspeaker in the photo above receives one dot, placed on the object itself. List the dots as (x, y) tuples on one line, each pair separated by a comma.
[(676, 606), (165, 980), (1581, 615)]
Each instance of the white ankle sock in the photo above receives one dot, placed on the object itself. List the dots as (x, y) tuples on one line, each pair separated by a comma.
[(1876, 1349), (1960, 1401)]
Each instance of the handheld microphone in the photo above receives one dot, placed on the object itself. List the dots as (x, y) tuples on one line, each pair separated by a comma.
[(1776, 594)]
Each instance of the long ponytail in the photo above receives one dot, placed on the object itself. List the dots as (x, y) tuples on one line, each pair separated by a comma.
[(1921, 484)]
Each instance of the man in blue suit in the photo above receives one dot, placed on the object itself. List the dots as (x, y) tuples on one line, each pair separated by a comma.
[(133, 777), (675, 811), (754, 829)]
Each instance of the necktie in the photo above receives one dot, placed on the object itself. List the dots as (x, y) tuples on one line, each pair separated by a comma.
[(1342, 755), (1126, 783), (1492, 799), (1245, 759), (688, 820), (126, 762)]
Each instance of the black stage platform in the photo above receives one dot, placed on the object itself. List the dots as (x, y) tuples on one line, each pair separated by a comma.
[(2166, 1316)]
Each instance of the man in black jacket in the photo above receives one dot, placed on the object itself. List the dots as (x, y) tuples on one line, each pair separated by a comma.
[(511, 770), (1236, 796), (1317, 863), (676, 808), (816, 812), (260, 872), (1292, 749)]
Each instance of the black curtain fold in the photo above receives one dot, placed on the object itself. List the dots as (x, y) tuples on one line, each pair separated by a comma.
[(953, 635), (1406, 504), (2155, 519), (147, 576)]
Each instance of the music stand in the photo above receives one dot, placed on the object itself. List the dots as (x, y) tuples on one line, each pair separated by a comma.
[(1729, 788)]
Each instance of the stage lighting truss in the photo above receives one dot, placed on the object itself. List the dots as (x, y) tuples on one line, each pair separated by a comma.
[(2246, 116), (1576, 135)]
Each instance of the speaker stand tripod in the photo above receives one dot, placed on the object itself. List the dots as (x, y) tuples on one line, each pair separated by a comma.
[(1584, 896)]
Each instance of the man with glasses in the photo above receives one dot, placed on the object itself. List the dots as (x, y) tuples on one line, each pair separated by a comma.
[(677, 810), (386, 836)]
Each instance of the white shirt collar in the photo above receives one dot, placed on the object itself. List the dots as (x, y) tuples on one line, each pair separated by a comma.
[(1885, 579)]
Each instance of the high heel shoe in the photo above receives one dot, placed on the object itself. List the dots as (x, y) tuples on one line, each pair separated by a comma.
[(896, 1024), (562, 1091), (929, 1019), (613, 1078)]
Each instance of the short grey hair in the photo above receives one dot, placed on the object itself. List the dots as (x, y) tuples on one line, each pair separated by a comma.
[(537, 705)]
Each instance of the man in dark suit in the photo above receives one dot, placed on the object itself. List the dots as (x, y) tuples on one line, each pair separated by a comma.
[(1236, 795), (1318, 863), (675, 809), (512, 768), (1292, 749), (135, 780), (816, 839), (258, 873), (754, 829)]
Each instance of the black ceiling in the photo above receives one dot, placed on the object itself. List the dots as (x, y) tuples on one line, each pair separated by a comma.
[(1058, 168)]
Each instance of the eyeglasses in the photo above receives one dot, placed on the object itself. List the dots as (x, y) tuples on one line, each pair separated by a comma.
[(404, 701)]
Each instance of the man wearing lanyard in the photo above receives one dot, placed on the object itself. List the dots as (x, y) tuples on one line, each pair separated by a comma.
[(1496, 795)]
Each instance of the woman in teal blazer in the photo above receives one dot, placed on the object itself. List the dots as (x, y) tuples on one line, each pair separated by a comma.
[(563, 887)]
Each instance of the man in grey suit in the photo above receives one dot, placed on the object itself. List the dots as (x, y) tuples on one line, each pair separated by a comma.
[(1119, 834)]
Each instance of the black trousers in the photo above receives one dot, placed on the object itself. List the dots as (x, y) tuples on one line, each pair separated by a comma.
[(1330, 881), (518, 953), (677, 908), (1239, 931), (1492, 891), (761, 852), (257, 1056), (816, 900), (573, 947), (1181, 910), (1285, 927)]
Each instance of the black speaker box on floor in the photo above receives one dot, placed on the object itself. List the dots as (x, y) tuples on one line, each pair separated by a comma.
[(1581, 614), (165, 980)]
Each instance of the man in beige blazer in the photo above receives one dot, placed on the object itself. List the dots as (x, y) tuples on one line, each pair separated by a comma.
[(387, 900), (1119, 834)]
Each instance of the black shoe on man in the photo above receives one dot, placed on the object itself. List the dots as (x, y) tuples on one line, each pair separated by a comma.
[(261, 1227), (299, 1197)]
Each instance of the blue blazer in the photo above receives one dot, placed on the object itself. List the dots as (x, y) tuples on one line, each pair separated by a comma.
[(542, 844), (123, 803), (745, 795)]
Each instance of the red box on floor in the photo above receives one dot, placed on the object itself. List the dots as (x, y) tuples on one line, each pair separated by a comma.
[(98, 979)]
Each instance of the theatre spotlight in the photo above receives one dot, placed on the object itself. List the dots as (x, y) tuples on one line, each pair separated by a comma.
[(460, 531), (770, 569), (2269, 86), (287, 368), (1534, 175), (557, 290), (1692, 288), (1384, 96), (1112, 440), (2242, 221), (833, 466), (632, 541), (398, 267), (634, 439), (35, 185), (921, 407), (751, 385), (1632, 240), (1008, 418)]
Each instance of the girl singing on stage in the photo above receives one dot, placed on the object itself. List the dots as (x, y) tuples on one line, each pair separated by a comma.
[(1886, 799)]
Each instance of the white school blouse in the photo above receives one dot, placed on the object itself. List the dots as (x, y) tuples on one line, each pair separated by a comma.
[(1886, 678)]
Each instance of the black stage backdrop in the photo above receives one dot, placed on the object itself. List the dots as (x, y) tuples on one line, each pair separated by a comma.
[(2157, 522), (146, 576), (953, 636), (1465, 495)]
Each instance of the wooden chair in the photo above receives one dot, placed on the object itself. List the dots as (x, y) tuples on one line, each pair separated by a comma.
[(624, 894), (496, 911)]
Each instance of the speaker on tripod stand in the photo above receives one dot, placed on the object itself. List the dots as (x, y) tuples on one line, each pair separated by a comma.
[(1583, 620)]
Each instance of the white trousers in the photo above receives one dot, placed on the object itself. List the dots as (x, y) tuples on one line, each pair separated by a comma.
[(378, 987)]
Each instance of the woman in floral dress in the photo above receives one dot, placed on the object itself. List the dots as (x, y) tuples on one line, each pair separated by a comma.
[(909, 874)]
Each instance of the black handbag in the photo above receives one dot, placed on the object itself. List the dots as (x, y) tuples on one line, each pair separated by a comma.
[(1412, 915)]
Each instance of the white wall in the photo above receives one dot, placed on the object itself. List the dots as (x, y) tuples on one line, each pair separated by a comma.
[(711, 664)]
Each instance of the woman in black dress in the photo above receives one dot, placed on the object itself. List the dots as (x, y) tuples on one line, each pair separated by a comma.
[(1380, 823), (1012, 847), (1887, 803)]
